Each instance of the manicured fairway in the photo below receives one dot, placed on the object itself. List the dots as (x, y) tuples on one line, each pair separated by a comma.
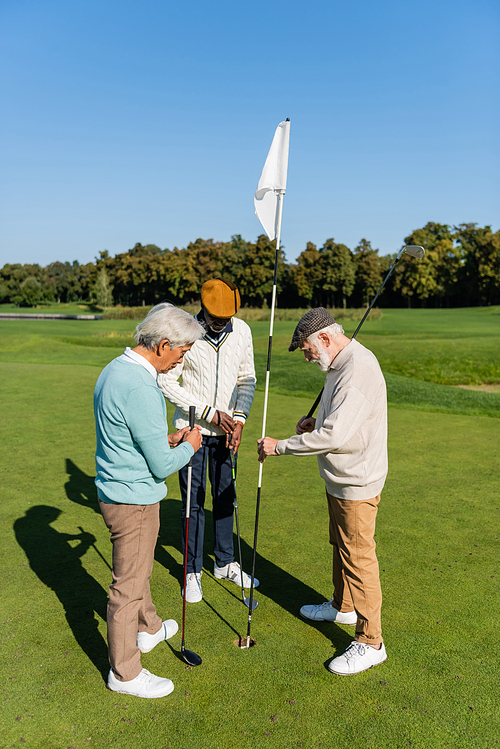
[(419, 351), (438, 545)]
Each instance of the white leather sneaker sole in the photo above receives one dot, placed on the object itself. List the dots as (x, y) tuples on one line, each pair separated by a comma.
[(325, 612), (357, 658), (194, 593), (146, 642), (145, 685), (232, 572)]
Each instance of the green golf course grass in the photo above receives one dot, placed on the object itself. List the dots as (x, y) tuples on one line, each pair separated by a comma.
[(438, 547)]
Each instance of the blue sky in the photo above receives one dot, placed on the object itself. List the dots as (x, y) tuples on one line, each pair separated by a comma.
[(150, 121)]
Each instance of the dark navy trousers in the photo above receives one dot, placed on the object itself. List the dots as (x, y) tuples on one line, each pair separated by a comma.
[(214, 456)]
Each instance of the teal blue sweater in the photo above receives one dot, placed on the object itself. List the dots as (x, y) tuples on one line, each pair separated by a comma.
[(133, 457)]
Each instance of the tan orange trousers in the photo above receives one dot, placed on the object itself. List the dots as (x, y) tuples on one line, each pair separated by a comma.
[(356, 578), (134, 531)]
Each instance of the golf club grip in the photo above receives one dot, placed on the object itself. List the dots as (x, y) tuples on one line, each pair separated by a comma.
[(190, 464)]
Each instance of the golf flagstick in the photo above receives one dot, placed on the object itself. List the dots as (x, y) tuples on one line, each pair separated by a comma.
[(192, 659), (414, 250), (269, 208)]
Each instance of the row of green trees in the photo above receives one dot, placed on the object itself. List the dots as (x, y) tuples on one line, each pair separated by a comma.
[(461, 267)]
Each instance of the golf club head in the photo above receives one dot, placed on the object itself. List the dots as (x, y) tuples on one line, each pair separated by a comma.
[(254, 603), (190, 658), (415, 250)]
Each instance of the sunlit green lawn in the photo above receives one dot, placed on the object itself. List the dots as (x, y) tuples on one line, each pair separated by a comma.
[(437, 544), (418, 351)]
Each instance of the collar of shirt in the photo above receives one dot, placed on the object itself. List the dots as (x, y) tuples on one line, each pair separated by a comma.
[(339, 359), (130, 355), (209, 333)]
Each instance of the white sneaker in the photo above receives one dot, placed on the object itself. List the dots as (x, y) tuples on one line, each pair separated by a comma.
[(145, 685), (326, 612), (194, 593), (357, 658), (232, 572), (146, 642)]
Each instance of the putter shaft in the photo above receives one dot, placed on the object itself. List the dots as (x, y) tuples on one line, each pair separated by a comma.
[(246, 601), (192, 659)]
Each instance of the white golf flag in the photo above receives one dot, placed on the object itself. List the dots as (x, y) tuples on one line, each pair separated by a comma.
[(273, 180)]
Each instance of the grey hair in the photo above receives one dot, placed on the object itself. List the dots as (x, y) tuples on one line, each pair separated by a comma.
[(334, 330), (166, 322)]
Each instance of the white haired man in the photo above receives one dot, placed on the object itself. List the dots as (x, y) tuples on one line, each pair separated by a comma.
[(218, 378), (134, 455), (349, 436)]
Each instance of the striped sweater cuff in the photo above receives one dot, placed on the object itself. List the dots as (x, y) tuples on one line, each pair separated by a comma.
[(239, 416), (208, 414)]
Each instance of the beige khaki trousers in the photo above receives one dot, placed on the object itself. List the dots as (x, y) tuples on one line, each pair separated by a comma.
[(134, 531), (356, 579)]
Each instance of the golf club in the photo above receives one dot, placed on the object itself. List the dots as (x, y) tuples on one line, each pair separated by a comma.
[(414, 250), (246, 601), (192, 659)]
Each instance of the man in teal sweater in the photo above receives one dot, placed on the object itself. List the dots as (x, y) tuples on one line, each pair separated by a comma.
[(134, 455)]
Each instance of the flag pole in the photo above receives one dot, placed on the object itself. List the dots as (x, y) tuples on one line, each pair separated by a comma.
[(279, 213), (268, 203)]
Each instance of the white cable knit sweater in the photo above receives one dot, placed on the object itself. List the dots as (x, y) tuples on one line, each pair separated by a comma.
[(214, 378)]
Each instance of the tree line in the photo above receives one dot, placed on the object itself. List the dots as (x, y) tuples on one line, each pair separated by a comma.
[(461, 267)]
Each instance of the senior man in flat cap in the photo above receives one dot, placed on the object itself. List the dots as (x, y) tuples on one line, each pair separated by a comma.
[(349, 436), (218, 379)]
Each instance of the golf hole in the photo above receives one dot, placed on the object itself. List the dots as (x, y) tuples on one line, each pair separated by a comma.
[(241, 643)]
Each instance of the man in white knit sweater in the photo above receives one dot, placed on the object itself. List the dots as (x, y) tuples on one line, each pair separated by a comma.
[(218, 379), (349, 436)]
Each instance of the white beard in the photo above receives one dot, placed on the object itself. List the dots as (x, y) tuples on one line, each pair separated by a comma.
[(322, 360)]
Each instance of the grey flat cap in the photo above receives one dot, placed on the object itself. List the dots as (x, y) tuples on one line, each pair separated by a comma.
[(314, 320)]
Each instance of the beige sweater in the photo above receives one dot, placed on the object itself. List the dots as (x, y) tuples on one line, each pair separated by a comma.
[(350, 436)]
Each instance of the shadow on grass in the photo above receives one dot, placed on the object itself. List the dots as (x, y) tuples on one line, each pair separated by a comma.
[(283, 588), (286, 590), (58, 565), (80, 488)]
